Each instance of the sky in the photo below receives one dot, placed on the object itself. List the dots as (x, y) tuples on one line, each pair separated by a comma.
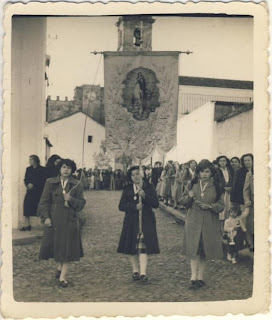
[(222, 48)]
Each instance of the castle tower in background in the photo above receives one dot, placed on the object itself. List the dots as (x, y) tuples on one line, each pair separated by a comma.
[(135, 33)]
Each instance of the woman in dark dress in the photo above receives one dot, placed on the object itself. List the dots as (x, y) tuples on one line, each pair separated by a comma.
[(34, 182), (237, 194), (139, 235), (51, 167), (62, 198)]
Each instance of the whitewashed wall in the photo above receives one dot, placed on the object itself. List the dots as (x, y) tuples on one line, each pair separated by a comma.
[(235, 135), (27, 103), (200, 137), (66, 136), (196, 134)]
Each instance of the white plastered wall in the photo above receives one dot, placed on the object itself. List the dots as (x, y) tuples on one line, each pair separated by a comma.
[(27, 103)]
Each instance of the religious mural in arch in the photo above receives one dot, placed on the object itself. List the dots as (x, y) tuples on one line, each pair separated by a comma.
[(140, 93)]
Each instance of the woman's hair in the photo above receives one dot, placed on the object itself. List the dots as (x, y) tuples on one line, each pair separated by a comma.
[(206, 164), (129, 173), (227, 159), (69, 163), (35, 158), (51, 160), (243, 160), (236, 159), (189, 162)]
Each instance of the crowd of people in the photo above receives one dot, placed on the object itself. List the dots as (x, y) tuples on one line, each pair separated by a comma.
[(218, 197), (102, 179)]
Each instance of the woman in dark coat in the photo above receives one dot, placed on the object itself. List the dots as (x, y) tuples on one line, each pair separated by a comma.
[(34, 181), (62, 198), (237, 195), (51, 167), (202, 237), (139, 234)]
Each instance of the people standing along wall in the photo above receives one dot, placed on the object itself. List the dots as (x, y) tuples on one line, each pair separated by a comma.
[(178, 185), (35, 177), (226, 179), (96, 174), (248, 215), (156, 173), (237, 194), (235, 164)]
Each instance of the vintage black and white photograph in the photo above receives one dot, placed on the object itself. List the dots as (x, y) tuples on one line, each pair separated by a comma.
[(132, 155)]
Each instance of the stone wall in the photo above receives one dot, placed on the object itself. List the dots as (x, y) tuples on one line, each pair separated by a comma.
[(57, 109), (87, 98)]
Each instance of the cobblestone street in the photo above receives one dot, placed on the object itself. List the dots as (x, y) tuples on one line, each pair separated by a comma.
[(104, 275)]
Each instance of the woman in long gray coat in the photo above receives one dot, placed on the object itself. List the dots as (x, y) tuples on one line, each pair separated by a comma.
[(202, 238), (62, 198)]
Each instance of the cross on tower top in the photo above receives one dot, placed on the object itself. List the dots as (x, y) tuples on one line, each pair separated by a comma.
[(135, 33)]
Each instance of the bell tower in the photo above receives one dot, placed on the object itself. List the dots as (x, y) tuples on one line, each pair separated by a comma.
[(135, 33)]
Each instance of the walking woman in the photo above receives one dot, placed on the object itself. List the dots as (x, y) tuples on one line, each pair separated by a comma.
[(34, 181), (139, 235), (62, 198), (202, 237)]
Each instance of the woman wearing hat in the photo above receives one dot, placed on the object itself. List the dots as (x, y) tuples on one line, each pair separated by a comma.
[(139, 235)]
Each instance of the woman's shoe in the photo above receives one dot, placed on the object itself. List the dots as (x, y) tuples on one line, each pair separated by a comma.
[(200, 283), (58, 272), (135, 276), (192, 284), (28, 228), (229, 258), (143, 278), (63, 284)]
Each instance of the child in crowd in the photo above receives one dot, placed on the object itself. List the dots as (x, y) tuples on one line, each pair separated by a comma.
[(236, 231)]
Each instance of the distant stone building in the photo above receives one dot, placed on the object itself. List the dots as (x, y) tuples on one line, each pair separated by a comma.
[(87, 98)]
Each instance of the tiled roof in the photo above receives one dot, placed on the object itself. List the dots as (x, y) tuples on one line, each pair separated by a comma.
[(217, 83)]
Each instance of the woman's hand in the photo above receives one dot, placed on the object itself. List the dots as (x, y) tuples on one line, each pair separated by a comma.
[(139, 206), (228, 189), (204, 206), (67, 197), (30, 186), (191, 194), (48, 222), (141, 193)]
